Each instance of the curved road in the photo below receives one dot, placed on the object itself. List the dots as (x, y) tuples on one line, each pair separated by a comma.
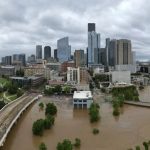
[(10, 112)]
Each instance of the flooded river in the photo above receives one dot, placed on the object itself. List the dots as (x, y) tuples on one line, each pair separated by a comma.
[(129, 130)]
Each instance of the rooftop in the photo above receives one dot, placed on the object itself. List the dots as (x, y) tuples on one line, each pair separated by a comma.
[(82, 94)]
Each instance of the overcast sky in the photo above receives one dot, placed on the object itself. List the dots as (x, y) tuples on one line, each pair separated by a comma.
[(25, 23)]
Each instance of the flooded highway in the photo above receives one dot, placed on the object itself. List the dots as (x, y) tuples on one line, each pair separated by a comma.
[(131, 128)]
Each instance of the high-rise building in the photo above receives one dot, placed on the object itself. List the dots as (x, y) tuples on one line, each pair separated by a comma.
[(93, 44), (8, 60), (55, 54), (120, 52), (112, 53), (19, 59), (124, 52), (31, 59), (63, 49), (107, 50), (47, 52), (3, 61), (22, 59), (79, 58), (91, 27), (103, 56), (15, 57), (38, 51)]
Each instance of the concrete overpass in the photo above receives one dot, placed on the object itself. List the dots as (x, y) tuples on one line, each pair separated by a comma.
[(11, 112)]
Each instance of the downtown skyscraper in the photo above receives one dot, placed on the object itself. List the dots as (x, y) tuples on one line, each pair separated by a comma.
[(93, 50), (63, 49)]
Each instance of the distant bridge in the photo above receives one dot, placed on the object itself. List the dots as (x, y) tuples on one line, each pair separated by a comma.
[(11, 112)]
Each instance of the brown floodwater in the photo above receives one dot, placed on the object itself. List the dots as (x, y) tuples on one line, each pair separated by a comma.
[(131, 128)]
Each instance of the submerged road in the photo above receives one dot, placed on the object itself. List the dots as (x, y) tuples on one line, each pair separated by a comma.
[(10, 111)]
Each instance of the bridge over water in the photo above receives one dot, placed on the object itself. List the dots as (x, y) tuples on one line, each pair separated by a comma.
[(11, 112)]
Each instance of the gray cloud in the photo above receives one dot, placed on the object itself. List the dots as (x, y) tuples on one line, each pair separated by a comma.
[(26, 23)]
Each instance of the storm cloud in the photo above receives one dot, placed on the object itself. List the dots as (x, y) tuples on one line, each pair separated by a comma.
[(25, 23)]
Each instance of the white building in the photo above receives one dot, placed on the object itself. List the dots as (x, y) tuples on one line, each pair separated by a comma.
[(82, 99), (73, 75), (121, 77), (77, 75), (128, 67)]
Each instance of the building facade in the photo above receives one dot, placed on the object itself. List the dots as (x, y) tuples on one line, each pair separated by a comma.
[(47, 52), (82, 99), (63, 49), (38, 51), (93, 44), (79, 58), (77, 75), (120, 52)]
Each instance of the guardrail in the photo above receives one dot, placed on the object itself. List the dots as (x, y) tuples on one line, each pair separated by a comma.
[(2, 140)]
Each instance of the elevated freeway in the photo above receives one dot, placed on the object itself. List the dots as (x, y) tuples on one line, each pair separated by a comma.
[(11, 112)]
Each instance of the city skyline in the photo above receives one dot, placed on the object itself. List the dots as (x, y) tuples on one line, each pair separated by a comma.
[(44, 25)]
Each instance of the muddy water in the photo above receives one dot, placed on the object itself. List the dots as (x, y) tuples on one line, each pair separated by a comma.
[(130, 129), (144, 94)]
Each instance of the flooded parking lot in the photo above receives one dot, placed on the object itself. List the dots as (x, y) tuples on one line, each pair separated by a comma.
[(131, 128)]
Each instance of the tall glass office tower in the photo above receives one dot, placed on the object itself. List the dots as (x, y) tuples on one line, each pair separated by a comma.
[(63, 49), (93, 44)]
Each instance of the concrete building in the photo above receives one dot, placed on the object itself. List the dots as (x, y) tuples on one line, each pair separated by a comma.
[(67, 64), (63, 49), (7, 70), (77, 75), (93, 44), (120, 52), (38, 51), (130, 67), (28, 81), (82, 99), (121, 77), (54, 66), (73, 75), (79, 58), (47, 52), (34, 71)]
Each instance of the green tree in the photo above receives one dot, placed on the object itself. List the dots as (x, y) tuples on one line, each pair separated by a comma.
[(145, 144), (41, 105), (12, 88), (49, 122), (116, 111), (95, 131), (67, 89), (138, 148), (94, 112), (65, 145), (38, 127), (19, 92), (77, 142), (51, 109), (58, 89), (2, 104), (42, 146)]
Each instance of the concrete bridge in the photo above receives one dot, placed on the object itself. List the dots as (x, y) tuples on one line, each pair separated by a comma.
[(11, 112)]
